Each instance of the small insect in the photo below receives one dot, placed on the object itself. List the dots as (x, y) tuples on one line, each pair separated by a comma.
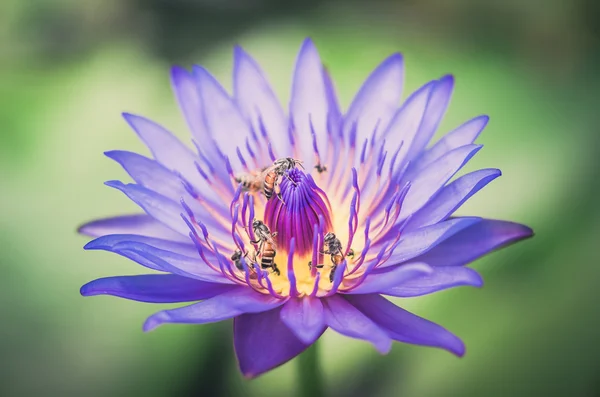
[(334, 248), (262, 232), (237, 259), (266, 246), (320, 168), (272, 176), (251, 181), (267, 257)]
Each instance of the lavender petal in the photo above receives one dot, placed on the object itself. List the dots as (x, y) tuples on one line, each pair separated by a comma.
[(404, 326), (304, 317), (238, 300), (155, 288)]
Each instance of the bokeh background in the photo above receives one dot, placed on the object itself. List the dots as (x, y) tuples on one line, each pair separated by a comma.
[(69, 68)]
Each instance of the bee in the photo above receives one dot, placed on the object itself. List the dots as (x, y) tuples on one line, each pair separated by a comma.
[(251, 181), (266, 246), (320, 168), (272, 176), (334, 248)]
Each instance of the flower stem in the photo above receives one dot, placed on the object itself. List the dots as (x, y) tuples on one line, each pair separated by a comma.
[(310, 382)]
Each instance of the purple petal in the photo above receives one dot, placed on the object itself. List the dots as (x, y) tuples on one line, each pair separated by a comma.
[(161, 208), (153, 176), (475, 241), (304, 317), (441, 278), (155, 288), (144, 250), (141, 224), (427, 182), (377, 100), (237, 301), (167, 211), (344, 318), (433, 114), (383, 281), (404, 126), (226, 124), (262, 342), (335, 114), (309, 103), (150, 174), (451, 197), (167, 149), (404, 326), (422, 240), (255, 98), (109, 241), (461, 136)]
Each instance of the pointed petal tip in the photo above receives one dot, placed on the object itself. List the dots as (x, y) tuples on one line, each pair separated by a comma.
[(84, 229), (90, 245), (447, 79), (199, 71), (384, 348), (476, 281), (85, 290), (396, 59), (115, 184), (525, 232), (97, 244), (178, 71), (308, 41), (129, 117), (484, 117), (114, 154), (239, 52), (458, 349), (152, 322)]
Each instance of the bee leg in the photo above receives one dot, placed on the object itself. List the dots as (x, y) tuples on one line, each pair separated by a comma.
[(276, 269), (332, 274), (278, 192), (291, 180), (350, 253), (274, 234), (317, 266)]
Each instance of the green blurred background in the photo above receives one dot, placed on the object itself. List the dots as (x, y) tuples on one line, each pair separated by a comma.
[(69, 68)]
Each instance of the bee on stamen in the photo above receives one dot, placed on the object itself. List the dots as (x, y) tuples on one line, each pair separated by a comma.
[(272, 176), (267, 249), (236, 258), (334, 248)]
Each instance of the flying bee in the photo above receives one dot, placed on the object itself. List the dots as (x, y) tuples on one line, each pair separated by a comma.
[(251, 181), (266, 246), (320, 168), (272, 176)]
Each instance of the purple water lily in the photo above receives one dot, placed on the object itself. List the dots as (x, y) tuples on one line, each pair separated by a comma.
[(365, 211)]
